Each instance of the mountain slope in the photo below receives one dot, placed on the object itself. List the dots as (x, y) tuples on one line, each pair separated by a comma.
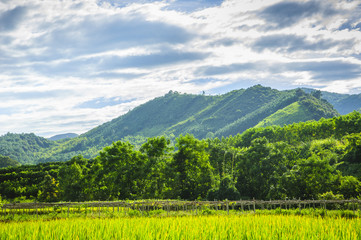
[(63, 136), (175, 114), (348, 104), (343, 103), (24, 148), (293, 113), (7, 162)]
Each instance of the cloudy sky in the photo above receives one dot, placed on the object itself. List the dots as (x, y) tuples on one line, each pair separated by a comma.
[(70, 65)]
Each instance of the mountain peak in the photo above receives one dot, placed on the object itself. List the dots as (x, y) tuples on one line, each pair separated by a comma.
[(174, 114), (63, 136)]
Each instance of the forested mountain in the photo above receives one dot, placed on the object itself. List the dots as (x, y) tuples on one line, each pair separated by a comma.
[(174, 114), (24, 148), (347, 104), (306, 160), (343, 103), (6, 161), (63, 136)]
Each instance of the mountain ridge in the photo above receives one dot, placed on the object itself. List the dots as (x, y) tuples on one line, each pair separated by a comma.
[(63, 136), (171, 115), (343, 103)]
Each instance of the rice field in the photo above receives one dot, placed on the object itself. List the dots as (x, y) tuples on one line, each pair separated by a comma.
[(247, 226)]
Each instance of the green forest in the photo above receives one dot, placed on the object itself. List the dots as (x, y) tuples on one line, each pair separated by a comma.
[(305, 160), (203, 116)]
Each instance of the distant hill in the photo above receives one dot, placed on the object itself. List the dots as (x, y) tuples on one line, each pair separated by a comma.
[(293, 113), (63, 136), (343, 103), (24, 148), (174, 114), (6, 161)]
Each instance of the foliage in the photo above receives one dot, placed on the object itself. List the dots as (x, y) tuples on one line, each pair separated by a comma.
[(121, 171), (330, 196), (48, 191), (174, 114), (72, 179), (302, 160), (225, 190), (343, 103), (192, 170), (7, 162)]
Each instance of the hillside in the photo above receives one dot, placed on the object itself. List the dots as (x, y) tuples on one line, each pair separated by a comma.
[(343, 103), (175, 114), (293, 113), (348, 104), (63, 136), (305, 160), (25, 147), (7, 162)]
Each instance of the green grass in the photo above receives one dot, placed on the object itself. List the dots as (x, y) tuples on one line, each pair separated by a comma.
[(246, 226), (293, 113)]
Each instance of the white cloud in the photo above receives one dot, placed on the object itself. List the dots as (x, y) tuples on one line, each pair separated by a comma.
[(59, 55)]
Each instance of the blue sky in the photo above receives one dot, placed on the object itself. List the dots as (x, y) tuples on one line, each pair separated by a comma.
[(68, 66)]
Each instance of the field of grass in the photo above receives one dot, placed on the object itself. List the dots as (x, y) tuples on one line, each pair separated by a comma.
[(244, 226), (293, 113)]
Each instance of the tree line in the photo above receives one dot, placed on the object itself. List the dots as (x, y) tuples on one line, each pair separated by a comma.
[(302, 160)]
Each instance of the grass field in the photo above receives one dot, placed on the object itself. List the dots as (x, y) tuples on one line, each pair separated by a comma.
[(246, 226)]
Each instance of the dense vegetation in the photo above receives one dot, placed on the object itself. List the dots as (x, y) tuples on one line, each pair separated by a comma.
[(63, 136), (6, 161), (343, 103), (302, 160), (174, 114)]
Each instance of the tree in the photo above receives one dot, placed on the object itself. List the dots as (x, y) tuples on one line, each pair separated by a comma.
[(350, 187), (72, 179), (156, 167), (226, 190), (317, 94), (48, 191), (6, 161), (353, 149), (156, 147), (254, 169), (310, 177), (192, 169), (120, 172)]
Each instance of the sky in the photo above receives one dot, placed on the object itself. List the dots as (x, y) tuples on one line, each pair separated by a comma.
[(71, 65)]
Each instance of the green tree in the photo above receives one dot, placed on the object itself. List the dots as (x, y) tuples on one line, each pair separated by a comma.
[(6, 161), (317, 94), (72, 179), (49, 191), (158, 152), (192, 169), (226, 190), (156, 147), (120, 172), (353, 149), (310, 177), (256, 169), (350, 187)]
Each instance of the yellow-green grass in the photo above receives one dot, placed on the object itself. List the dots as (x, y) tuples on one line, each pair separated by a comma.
[(248, 226), (295, 112)]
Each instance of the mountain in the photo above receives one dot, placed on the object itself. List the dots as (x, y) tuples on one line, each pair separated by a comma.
[(174, 114), (347, 104), (25, 147), (306, 160), (293, 113), (63, 136), (343, 103), (7, 162)]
